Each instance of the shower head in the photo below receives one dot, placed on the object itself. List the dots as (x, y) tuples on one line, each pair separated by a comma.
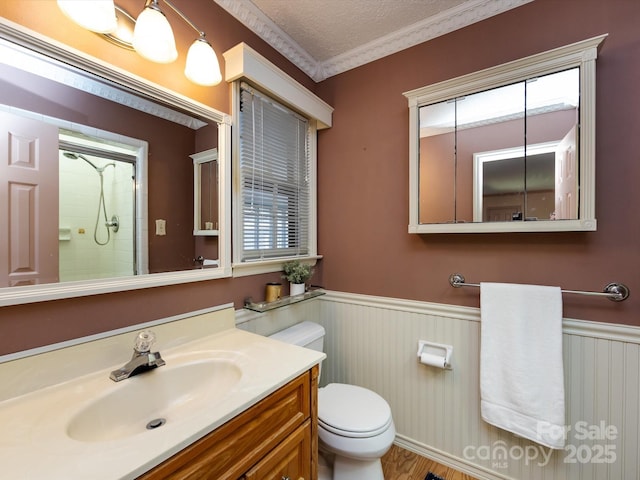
[(72, 156), (75, 156)]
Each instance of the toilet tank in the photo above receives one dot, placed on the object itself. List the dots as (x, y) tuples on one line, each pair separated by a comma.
[(305, 334)]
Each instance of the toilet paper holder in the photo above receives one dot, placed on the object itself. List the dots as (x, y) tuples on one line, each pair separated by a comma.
[(432, 350)]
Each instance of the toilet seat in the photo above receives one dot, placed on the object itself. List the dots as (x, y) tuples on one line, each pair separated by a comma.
[(352, 411)]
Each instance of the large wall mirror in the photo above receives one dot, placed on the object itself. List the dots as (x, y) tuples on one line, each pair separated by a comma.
[(97, 185), (507, 149)]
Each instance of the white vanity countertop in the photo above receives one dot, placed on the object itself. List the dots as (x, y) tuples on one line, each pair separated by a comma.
[(34, 443)]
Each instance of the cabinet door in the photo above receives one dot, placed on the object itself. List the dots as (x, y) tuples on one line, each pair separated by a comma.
[(289, 460), (229, 451)]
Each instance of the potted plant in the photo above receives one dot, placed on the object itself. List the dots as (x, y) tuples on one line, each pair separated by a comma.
[(297, 274)]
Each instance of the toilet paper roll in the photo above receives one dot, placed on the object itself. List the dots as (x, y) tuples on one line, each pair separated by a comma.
[(433, 360)]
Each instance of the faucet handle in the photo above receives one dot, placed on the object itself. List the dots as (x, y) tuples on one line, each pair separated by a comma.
[(144, 340)]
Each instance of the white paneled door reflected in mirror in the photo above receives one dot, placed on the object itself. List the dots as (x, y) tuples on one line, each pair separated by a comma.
[(510, 148)]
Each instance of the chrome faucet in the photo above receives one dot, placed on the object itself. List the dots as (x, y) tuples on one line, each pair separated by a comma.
[(143, 358)]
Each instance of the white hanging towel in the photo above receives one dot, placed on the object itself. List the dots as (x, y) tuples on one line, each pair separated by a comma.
[(521, 368)]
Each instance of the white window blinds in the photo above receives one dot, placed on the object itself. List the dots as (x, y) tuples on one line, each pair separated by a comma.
[(274, 178)]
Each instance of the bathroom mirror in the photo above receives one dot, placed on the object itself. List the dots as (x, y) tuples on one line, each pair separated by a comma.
[(507, 149), (126, 142)]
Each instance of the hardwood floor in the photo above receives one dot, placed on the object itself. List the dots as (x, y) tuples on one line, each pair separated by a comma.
[(401, 464)]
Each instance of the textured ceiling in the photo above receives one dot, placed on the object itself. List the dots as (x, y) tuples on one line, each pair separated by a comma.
[(327, 37), (329, 28)]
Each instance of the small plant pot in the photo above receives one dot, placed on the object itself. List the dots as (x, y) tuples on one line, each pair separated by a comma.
[(296, 289)]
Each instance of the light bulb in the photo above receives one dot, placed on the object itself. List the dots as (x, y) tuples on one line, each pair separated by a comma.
[(153, 38), (202, 65), (97, 15)]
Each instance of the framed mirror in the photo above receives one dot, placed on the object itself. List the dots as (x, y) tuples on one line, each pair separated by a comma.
[(97, 181), (507, 149), (205, 200)]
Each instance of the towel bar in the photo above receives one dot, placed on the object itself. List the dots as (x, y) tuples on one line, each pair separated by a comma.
[(616, 292)]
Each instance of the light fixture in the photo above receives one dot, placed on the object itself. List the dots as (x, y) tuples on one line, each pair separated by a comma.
[(152, 36), (202, 65), (98, 15), (123, 35)]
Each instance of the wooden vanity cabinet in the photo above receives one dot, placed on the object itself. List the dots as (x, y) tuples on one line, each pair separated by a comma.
[(273, 440), (287, 460)]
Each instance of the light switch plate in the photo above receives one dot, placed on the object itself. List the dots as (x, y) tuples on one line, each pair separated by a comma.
[(161, 227)]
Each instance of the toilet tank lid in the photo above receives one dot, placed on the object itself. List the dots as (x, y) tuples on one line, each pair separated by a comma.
[(301, 334)]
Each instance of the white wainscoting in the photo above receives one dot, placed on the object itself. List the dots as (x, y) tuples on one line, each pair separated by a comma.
[(372, 342)]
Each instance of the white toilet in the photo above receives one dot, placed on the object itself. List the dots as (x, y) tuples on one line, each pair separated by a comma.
[(355, 427)]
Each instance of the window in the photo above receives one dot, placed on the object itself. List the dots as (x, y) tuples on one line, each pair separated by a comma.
[(274, 169), (274, 179)]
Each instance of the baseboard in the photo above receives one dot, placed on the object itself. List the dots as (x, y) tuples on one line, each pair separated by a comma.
[(448, 460)]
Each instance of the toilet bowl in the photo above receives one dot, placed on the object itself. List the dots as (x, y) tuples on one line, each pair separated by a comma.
[(355, 426)]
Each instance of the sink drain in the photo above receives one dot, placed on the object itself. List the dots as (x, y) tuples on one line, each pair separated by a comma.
[(155, 423)]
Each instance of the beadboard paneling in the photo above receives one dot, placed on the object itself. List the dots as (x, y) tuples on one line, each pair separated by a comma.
[(372, 342)]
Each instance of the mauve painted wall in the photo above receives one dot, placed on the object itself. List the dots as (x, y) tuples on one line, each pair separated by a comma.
[(363, 169), (33, 325), (363, 173)]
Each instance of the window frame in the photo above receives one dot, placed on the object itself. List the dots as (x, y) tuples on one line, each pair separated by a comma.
[(310, 245), (242, 63)]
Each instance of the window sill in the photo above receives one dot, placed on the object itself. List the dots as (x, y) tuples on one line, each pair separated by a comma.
[(269, 266)]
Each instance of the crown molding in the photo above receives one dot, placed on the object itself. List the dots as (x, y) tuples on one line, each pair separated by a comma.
[(453, 19), (255, 20)]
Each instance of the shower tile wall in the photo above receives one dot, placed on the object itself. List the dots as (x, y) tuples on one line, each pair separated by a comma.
[(80, 256)]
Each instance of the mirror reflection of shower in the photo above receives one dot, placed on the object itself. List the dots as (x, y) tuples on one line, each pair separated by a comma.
[(97, 210), (102, 207)]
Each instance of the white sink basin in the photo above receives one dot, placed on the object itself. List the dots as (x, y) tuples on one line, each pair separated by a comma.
[(85, 426), (178, 390)]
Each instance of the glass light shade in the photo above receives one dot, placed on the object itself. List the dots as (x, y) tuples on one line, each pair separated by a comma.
[(96, 15), (153, 38), (202, 65)]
